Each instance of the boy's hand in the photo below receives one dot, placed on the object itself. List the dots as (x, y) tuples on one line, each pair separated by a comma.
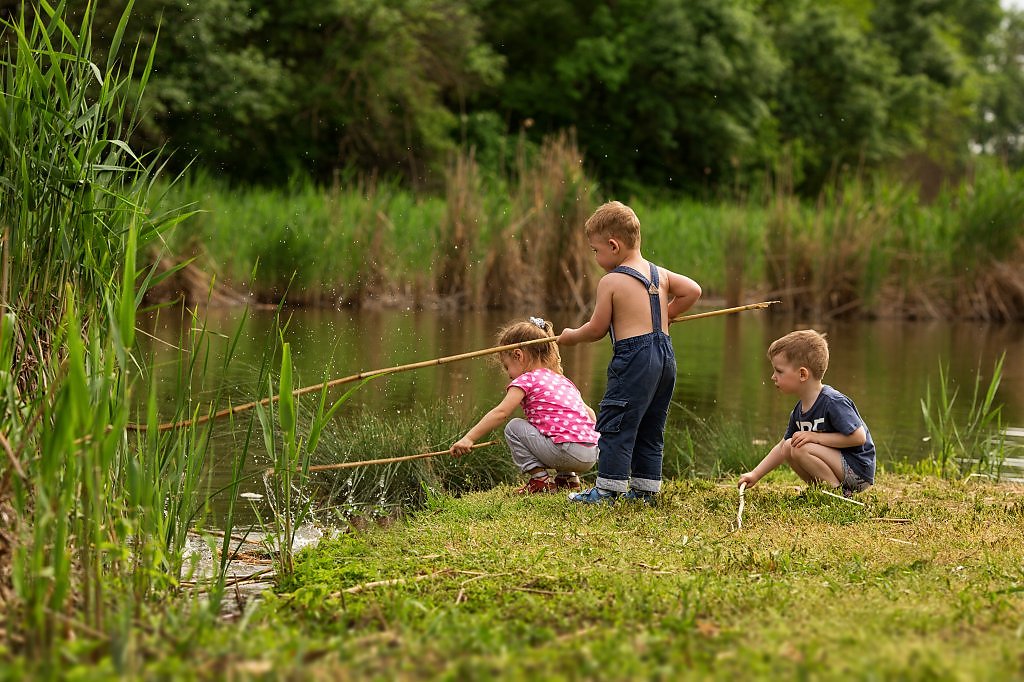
[(566, 337), (462, 447), (802, 438), (747, 478)]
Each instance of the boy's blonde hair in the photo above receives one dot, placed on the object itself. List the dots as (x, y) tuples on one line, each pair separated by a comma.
[(616, 220), (527, 330), (803, 348)]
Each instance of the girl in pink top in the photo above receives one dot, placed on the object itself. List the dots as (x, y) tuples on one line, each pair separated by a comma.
[(558, 432)]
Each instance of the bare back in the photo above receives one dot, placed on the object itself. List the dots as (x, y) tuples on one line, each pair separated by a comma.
[(624, 303), (631, 302)]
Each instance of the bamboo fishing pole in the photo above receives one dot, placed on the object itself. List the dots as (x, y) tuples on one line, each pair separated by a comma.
[(405, 368), (390, 460)]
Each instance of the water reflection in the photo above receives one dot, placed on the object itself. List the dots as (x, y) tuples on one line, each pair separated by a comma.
[(885, 366)]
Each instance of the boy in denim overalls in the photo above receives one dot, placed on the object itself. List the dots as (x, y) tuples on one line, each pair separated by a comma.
[(635, 302)]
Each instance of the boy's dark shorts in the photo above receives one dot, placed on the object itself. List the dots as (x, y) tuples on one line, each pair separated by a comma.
[(852, 481)]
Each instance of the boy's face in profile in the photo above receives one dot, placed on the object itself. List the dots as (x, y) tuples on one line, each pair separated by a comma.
[(786, 376), (606, 251)]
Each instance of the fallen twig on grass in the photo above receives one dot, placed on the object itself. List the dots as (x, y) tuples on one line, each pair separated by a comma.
[(356, 589), (902, 542), (739, 514), (844, 499)]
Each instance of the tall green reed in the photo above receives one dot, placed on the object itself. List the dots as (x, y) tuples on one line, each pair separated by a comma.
[(830, 258), (974, 443), (99, 517)]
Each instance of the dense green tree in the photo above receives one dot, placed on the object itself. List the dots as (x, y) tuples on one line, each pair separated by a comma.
[(260, 89), (378, 82), (666, 92), (688, 94), (841, 100), (1000, 122), (940, 42)]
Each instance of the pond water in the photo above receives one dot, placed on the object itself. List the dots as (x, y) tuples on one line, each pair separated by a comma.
[(886, 367)]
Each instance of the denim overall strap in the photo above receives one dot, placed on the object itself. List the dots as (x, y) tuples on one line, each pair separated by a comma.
[(652, 288)]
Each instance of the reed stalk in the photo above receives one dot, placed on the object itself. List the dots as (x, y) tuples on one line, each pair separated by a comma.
[(98, 519), (961, 446)]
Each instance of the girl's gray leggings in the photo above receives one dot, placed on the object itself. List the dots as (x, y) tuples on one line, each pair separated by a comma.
[(531, 449)]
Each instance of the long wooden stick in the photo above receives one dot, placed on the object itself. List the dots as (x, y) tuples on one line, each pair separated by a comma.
[(389, 460), (725, 311), (405, 368)]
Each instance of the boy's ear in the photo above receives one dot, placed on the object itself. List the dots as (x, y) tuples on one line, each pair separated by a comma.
[(805, 374), (614, 245)]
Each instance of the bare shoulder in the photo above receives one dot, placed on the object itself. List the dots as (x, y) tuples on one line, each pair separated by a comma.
[(613, 281), (676, 283)]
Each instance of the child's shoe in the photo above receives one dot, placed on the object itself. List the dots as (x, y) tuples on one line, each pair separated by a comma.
[(595, 496), (568, 482), (644, 496), (540, 484)]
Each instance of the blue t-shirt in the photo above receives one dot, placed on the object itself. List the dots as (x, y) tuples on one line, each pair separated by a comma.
[(833, 412)]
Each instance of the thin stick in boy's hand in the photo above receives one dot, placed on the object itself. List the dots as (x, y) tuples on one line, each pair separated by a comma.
[(739, 514)]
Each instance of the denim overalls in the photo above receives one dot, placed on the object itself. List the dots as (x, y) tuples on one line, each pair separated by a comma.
[(631, 421)]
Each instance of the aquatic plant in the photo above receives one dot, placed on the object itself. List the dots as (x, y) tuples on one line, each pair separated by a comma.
[(974, 444), (98, 514)]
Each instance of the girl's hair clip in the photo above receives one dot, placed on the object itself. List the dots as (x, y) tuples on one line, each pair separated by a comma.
[(539, 321)]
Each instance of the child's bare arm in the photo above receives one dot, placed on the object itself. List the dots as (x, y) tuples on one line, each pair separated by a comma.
[(831, 440), (597, 327), (490, 421), (684, 293), (773, 459)]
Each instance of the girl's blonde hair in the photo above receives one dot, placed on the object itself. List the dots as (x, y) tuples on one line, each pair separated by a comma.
[(545, 354)]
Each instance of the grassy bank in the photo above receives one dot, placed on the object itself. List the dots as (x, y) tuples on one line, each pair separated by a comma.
[(492, 585), (523, 588), (868, 248)]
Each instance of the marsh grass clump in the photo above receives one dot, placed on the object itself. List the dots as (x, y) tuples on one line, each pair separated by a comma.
[(988, 239), (380, 490), (829, 259), (462, 228), (540, 259), (710, 448)]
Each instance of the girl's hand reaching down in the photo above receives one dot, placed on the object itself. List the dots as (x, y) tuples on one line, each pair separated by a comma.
[(462, 447)]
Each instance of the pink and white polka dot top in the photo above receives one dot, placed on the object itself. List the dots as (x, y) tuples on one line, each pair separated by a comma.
[(554, 405)]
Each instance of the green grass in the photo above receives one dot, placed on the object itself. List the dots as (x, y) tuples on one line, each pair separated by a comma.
[(491, 585), (531, 588)]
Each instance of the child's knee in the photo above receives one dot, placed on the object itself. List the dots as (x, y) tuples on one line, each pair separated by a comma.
[(798, 455), (514, 428)]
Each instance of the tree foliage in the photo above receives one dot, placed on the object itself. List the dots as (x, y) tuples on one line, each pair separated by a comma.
[(688, 94)]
